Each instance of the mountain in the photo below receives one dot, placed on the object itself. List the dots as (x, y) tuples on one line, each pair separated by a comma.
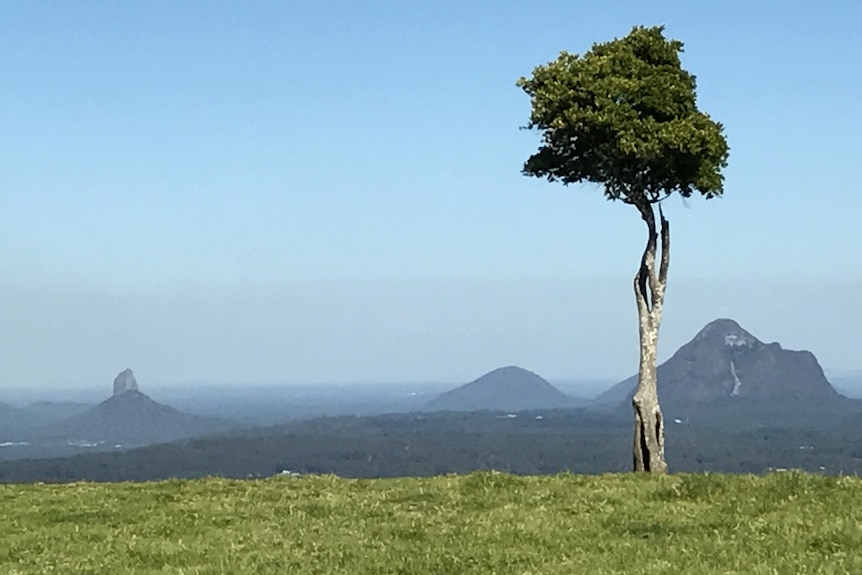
[(48, 411), (847, 382), (130, 417), (12, 418), (725, 362), (504, 389)]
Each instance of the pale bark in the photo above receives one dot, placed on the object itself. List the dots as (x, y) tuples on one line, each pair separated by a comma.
[(649, 287)]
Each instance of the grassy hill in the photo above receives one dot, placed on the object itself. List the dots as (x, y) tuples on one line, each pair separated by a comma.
[(481, 523)]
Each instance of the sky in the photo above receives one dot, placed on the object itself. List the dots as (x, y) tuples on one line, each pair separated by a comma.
[(331, 191)]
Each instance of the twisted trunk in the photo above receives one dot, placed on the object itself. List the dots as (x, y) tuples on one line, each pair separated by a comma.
[(649, 287)]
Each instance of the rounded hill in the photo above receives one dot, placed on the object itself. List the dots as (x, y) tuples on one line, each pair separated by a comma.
[(508, 388)]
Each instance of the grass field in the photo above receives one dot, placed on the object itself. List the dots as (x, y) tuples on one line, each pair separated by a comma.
[(483, 523)]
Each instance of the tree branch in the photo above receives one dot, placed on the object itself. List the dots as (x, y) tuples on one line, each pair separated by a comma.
[(665, 247), (658, 285), (646, 282)]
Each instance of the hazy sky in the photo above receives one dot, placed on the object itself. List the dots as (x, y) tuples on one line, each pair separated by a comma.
[(331, 191)]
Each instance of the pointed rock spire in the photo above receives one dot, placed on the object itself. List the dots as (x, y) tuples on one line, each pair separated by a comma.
[(124, 382)]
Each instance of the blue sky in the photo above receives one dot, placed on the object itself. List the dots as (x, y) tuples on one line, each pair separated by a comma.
[(331, 191)]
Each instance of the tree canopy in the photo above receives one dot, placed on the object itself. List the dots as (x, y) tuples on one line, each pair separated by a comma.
[(624, 115)]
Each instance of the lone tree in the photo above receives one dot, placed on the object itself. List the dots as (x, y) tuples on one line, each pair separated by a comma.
[(624, 116)]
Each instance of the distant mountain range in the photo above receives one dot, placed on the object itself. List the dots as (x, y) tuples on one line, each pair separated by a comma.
[(52, 411), (736, 404), (132, 418), (128, 417), (725, 362), (13, 418), (724, 375), (509, 388)]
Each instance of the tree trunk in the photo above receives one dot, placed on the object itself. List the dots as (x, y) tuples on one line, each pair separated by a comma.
[(649, 287)]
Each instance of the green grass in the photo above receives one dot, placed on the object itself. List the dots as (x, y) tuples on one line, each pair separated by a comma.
[(483, 523)]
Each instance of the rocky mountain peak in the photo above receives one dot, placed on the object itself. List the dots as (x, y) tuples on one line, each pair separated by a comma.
[(124, 382), (725, 332), (725, 361)]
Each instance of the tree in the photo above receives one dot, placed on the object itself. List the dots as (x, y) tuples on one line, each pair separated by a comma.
[(624, 116)]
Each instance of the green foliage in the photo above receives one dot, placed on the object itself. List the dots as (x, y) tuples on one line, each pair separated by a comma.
[(475, 524), (624, 115)]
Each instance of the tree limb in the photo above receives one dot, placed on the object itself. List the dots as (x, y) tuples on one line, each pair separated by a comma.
[(665, 247), (647, 282)]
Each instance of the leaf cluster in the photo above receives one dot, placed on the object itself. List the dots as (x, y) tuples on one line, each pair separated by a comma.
[(624, 115)]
